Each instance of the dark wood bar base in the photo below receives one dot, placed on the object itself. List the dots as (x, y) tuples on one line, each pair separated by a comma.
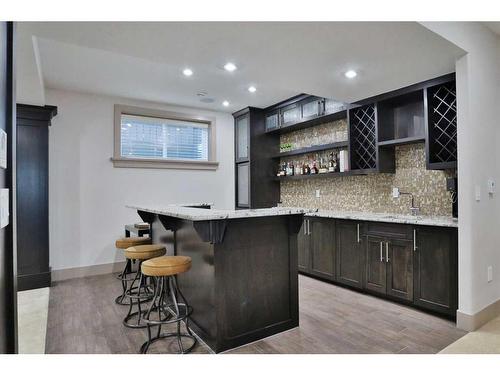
[(243, 285)]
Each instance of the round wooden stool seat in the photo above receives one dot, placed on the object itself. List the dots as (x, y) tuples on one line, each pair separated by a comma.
[(143, 252), (166, 266), (126, 242)]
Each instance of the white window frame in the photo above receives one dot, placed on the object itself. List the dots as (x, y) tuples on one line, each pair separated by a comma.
[(122, 162)]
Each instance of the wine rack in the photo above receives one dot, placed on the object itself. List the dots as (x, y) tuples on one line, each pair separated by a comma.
[(442, 126), (363, 137)]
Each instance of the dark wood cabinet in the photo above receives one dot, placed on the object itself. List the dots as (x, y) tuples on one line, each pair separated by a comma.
[(435, 269), (32, 195), (412, 264), (316, 247), (399, 260), (322, 236), (375, 267), (254, 167), (349, 251)]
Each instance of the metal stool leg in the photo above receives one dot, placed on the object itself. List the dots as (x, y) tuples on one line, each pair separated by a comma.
[(167, 287), (137, 296)]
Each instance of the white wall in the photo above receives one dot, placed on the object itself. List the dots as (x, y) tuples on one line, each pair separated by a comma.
[(88, 195), (478, 95)]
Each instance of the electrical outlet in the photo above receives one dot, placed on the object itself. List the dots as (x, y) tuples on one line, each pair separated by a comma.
[(318, 193), (490, 274), (395, 192), (478, 193)]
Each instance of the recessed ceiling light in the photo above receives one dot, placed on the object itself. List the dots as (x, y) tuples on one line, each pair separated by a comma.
[(187, 72), (252, 89), (225, 103), (350, 74), (230, 67)]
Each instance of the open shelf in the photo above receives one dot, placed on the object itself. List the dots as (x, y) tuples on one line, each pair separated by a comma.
[(401, 118), (320, 175), (306, 124), (308, 150), (402, 141)]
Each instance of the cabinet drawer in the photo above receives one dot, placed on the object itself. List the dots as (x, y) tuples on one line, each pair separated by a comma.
[(399, 231)]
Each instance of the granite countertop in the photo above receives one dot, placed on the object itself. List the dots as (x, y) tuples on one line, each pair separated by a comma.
[(439, 221), (202, 214)]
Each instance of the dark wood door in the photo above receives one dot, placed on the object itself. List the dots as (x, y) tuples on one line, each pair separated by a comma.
[(376, 269), (436, 270), (303, 242), (32, 205), (8, 292), (399, 259), (349, 257), (322, 245)]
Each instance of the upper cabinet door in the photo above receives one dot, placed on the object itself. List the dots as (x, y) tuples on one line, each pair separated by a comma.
[(243, 185), (290, 114), (242, 138), (310, 108), (272, 120)]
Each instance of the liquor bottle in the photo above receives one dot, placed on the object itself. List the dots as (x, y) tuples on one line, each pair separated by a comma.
[(314, 168), (336, 163), (331, 163), (292, 169), (308, 168)]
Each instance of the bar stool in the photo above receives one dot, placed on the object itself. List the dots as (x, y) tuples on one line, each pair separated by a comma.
[(143, 292), (166, 298), (122, 244)]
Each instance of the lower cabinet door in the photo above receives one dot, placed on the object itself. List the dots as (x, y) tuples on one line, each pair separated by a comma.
[(436, 270), (376, 275), (399, 259), (322, 245), (349, 253), (303, 247)]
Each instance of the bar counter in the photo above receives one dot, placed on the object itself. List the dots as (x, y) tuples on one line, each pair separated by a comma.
[(243, 284)]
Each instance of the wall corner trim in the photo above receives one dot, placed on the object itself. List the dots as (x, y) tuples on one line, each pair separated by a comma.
[(471, 322)]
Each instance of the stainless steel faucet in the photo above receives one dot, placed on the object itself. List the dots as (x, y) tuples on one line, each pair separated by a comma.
[(414, 210)]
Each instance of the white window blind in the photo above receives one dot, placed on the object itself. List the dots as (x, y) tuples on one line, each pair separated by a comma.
[(161, 138)]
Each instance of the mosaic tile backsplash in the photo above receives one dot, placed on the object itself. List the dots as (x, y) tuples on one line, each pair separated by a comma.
[(370, 193)]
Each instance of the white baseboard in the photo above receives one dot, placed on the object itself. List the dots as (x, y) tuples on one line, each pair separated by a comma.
[(471, 322), (77, 272)]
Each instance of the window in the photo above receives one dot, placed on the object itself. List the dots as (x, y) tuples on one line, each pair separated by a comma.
[(157, 139)]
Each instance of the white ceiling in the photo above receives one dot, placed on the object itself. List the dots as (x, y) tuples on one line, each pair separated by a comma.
[(145, 60), (494, 26)]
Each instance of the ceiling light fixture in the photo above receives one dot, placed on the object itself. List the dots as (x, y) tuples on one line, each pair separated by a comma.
[(225, 103), (252, 89), (187, 72), (230, 67), (351, 74)]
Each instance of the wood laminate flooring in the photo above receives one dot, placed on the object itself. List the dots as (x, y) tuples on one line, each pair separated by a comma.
[(84, 319)]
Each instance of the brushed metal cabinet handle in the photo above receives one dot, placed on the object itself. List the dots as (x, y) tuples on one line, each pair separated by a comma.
[(381, 252), (359, 240), (309, 227), (414, 240), (387, 252), (305, 227)]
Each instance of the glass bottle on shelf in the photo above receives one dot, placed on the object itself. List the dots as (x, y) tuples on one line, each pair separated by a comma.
[(314, 168), (331, 163), (306, 169), (292, 168)]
